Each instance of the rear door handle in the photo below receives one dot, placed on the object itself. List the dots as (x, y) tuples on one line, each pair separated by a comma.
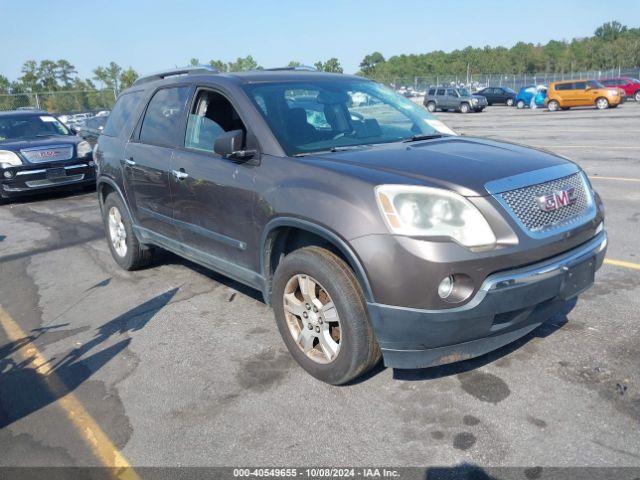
[(180, 174), (129, 162)]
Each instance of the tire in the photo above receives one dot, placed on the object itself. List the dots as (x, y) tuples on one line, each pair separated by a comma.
[(520, 105), (125, 248), (464, 108), (509, 102), (553, 106), (602, 103), (636, 96), (431, 107), (356, 350)]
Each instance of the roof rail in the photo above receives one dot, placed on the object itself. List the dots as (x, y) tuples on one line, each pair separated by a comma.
[(174, 72), (299, 68)]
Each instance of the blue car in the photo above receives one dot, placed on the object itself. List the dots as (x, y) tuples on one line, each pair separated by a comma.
[(528, 93)]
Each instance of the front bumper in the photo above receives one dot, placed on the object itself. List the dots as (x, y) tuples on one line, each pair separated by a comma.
[(509, 305), (32, 178)]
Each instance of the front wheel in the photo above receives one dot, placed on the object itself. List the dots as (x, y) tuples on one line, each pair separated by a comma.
[(431, 107), (602, 103), (464, 108), (520, 105), (321, 314), (509, 102), (636, 96), (553, 106)]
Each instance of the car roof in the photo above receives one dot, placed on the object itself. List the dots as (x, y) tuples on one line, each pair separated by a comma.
[(241, 78), (22, 113)]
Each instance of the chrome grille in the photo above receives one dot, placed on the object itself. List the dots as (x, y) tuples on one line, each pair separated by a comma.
[(51, 153), (523, 203)]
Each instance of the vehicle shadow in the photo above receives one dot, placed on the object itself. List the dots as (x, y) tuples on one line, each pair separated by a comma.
[(555, 323), (37, 197), (167, 258), (27, 386)]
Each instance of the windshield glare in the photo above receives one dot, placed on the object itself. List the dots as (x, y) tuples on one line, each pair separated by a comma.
[(464, 92), (25, 126), (594, 84), (326, 115)]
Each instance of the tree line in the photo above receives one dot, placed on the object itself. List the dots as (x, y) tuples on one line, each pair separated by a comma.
[(612, 45)]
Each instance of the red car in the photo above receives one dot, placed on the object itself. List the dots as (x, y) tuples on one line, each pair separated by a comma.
[(631, 86)]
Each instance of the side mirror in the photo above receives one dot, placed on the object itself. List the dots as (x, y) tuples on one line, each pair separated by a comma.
[(588, 87), (229, 145)]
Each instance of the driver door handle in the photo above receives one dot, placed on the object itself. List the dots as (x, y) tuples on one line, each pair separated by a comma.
[(180, 174)]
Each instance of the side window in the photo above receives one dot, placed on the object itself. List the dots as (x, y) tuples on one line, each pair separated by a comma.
[(579, 85), (609, 83), (432, 91), (440, 91), (564, 86), (161, 124), (212, 115), (451, 92), (122, 111)]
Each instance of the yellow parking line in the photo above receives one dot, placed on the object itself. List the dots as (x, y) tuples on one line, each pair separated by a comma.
[(97, 440), (622, 179), (622, 263)]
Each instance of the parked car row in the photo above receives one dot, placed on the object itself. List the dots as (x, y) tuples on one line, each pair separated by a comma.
[(562, 95)]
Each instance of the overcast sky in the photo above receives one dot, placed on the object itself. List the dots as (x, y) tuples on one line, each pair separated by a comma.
[(153, 35)]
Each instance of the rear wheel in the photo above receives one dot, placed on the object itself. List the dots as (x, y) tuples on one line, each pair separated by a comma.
[(509, 102), (553, 106), (431, 106), (464, 108), (124, 246), (602, 103), (322, 317), (637, 96), (520, 105)]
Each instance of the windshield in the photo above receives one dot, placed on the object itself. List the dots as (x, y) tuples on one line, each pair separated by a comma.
[(508, 90), (594, 84), (327, 115), (464, 92), (26, 126)]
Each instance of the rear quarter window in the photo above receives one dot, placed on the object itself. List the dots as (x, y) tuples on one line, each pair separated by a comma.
[(125, 107)]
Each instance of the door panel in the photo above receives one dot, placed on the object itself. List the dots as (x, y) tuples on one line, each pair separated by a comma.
[(146, 179), (214, 205)]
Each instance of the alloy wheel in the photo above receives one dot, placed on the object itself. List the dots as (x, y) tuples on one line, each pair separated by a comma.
[(312, 318), (509, 102), (602, 104), (117, 232)]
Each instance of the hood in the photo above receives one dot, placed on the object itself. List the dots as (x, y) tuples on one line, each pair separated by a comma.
[(461, 164), (17, 145)]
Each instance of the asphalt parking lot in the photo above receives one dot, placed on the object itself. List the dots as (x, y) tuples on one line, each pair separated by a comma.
[(176, 365)]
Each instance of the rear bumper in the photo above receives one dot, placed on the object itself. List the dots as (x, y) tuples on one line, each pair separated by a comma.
[(508, 305), (28, 179)]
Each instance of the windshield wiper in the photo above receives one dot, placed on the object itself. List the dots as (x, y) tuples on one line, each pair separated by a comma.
[(417, 138)]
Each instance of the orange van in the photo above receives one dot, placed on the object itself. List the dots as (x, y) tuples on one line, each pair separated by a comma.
[(582, 93)]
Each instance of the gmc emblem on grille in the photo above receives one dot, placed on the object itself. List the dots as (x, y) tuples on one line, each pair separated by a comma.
[(557, 199)]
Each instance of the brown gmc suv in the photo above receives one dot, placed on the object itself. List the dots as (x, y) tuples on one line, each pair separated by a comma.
[(370, 227)]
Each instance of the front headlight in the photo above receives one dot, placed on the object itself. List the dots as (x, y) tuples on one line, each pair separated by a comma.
[(84, 149), (433, 212), (474, 100), (9, 159)]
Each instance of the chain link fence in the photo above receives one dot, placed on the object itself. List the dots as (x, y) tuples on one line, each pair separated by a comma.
[(481, 80), (61, 102)]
